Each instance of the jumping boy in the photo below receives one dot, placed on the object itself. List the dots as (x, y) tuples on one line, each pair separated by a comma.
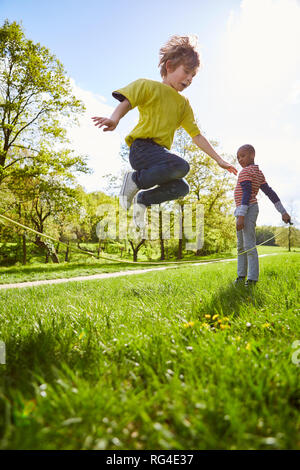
[(250, 180), (162, 110)]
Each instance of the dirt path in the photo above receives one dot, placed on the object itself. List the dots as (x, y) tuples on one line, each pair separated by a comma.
[(109, 275)]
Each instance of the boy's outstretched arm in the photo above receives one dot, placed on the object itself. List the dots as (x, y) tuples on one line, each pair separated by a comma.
[(112, 122), (204, 145), (276, 201)]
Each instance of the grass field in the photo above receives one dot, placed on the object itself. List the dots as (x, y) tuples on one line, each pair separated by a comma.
[(85, 265), (179, 359)]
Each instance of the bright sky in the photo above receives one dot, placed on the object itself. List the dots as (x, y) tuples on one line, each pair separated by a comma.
[(247, 90)]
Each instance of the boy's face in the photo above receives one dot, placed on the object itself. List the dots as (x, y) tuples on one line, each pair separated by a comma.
[(179, 78), (245, 158)]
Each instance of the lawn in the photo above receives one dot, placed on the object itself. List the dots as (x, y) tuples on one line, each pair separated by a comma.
[(179, 359), (87, 265)]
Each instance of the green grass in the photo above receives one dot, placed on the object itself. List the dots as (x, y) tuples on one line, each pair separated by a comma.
[(89, 265), (143, 363), (63, 270)]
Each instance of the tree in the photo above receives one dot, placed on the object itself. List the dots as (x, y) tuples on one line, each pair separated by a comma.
[(288, 237), (35, 98), (136, 246), (209, 185), (42, 200), (263, 234)]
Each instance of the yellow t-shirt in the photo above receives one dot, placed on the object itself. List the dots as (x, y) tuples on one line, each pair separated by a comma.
[(162, 110)]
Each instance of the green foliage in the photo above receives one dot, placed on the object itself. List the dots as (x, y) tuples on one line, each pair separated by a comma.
[(264, 233), (211, 186), (36, 102), (288, 236), (36, 105)]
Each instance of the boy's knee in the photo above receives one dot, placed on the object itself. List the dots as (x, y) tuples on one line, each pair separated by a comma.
[(179, 168), (184, 168), (183, 188)]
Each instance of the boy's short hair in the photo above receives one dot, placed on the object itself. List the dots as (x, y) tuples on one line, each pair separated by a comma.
[(247, 148), (179, 50)]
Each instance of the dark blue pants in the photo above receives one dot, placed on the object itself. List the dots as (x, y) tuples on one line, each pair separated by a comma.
[(154, 165)]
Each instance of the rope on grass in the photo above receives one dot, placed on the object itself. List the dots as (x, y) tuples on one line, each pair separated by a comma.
[(117, 259)]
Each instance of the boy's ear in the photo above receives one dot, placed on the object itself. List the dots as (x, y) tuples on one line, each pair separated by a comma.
[(169, 66)]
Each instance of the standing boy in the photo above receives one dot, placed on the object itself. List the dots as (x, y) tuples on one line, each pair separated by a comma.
[(250, 180), (162, 110)]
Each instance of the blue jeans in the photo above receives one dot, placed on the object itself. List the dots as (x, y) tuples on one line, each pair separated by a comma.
[(246, 239), (154, 165)]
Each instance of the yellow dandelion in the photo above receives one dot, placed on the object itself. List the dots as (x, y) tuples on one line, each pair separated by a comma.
[(266, 325), (190, 324), (215, 316), (220, 321), (207, 316), (225, 319), (224, 327)]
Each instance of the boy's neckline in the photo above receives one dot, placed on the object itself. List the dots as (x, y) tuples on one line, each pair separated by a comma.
[(169, 86)]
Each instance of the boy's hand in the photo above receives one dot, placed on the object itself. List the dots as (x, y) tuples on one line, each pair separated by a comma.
[(240, 222), (286, 218), (227, 167), (102, 121)]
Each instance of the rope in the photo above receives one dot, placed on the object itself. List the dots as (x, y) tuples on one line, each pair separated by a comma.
[(117, 259)]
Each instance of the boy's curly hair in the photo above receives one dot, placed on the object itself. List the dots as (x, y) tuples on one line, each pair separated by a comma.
[(179, 50), (247, 148)]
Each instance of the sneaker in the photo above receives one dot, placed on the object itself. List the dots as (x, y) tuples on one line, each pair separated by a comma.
[(128, 190), (239, 280), (250, 283), (139, 214)]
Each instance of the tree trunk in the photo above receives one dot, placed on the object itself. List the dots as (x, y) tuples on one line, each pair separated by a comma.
[(198, 251), (135, 249), (24, 248), (161, 240), (51, 253), (67, 252), (179, 252), (180, 242)]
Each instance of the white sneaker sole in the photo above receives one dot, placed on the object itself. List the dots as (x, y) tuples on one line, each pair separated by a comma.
[(122, 198), (138, 221)]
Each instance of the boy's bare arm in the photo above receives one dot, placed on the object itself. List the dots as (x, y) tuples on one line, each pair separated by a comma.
[(204, 145), (112, 122), (240, 222)]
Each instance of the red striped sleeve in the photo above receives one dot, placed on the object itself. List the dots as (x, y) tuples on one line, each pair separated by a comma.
[(250, 173)]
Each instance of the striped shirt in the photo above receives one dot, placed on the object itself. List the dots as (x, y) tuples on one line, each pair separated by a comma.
[(253, 174)]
